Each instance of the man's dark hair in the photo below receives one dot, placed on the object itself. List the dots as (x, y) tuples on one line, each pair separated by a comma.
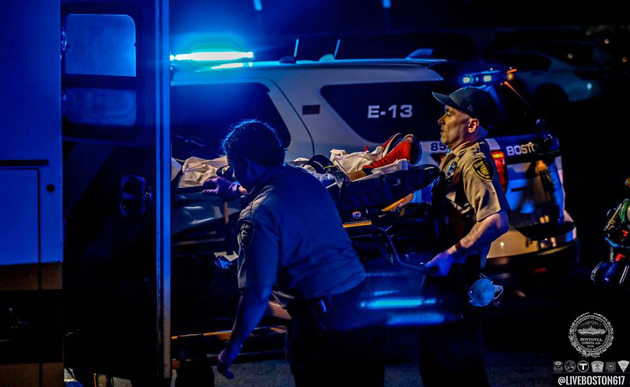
[(256, 141)]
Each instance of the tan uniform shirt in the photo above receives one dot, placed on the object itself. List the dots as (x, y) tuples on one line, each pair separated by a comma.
[(467, 191)]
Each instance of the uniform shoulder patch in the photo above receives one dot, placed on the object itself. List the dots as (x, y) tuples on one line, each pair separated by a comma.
[(245, 234), (483, 169)]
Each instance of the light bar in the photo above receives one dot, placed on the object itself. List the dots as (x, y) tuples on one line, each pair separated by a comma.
[(213, 56), (483, 78)]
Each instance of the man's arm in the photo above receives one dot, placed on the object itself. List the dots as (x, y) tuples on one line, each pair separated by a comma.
[(251, 307), (259, 245), (482, 233), (223, 188)]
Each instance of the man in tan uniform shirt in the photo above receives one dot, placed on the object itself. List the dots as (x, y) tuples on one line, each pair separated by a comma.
[(472, 211)]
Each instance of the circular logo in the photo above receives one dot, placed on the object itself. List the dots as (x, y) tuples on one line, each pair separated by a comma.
[(582, 366), (483, 169), (591, 334), (569, 366)]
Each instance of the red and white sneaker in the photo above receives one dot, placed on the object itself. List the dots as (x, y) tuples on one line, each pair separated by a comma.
[(407, 148), (390, 144)]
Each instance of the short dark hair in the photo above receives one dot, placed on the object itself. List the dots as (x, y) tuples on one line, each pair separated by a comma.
[(256, 141)]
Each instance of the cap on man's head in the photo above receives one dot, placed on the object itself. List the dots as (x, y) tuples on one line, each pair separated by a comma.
[(473, 101)]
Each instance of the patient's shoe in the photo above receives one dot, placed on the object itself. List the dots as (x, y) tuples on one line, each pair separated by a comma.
[(391, 143), (385, 147), (407, 148)]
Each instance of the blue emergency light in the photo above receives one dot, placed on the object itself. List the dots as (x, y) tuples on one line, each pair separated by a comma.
[(484, 78), (233, 65), (213, 56)]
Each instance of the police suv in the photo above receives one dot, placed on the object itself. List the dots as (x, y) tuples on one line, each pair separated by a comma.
[(329, 104)]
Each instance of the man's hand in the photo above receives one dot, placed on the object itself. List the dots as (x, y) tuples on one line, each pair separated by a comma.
[(225, 359), (442, 264), (251, 307), (221, 187)]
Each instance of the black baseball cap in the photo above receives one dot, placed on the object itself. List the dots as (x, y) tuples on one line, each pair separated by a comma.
[(473, 101)]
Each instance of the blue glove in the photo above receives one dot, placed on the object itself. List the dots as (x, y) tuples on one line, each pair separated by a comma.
[(221, 187), (225, 360), (440, 264)]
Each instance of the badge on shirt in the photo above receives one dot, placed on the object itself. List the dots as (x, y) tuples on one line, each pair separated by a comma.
[(451, 170), (483, 169), (245, 234)]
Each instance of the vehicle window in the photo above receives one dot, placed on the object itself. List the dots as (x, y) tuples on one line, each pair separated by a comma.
[(100, 87), (93, 106), (375, 111), (523, 62), (202, 115), (90, 50)]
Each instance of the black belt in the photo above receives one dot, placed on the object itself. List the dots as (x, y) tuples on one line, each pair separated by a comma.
[(323, 304), (343, 298)]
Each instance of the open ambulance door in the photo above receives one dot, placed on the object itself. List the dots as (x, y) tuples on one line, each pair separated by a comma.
[(116, 170)]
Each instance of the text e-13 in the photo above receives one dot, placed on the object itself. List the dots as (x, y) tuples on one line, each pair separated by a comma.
[(395, 111)]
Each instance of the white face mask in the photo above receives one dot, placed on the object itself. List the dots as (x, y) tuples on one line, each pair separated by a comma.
[(483, 292)]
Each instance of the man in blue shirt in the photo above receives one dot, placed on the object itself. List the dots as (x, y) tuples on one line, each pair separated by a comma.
[(291, 239)]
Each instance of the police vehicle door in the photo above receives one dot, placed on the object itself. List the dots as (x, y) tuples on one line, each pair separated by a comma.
[(115, 125)]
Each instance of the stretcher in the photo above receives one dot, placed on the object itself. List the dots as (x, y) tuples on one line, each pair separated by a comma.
[(393, 235)]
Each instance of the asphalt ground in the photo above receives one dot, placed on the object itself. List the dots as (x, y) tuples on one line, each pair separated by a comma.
[(524, 335), (505, 369)]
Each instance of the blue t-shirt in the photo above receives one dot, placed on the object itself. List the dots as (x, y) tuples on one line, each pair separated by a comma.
[(291, 235)]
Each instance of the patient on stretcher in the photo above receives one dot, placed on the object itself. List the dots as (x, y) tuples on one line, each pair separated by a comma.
[(397, 153)]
